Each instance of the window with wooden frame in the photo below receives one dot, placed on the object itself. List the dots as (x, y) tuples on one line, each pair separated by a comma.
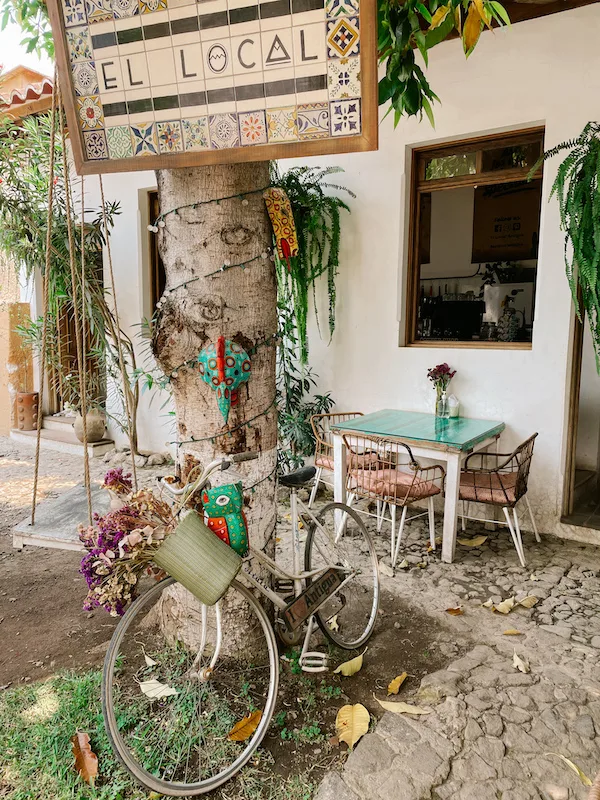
[(157, 269), (474, 236)]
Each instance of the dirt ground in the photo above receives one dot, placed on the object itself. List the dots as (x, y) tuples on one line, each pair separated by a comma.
[(42, 624)]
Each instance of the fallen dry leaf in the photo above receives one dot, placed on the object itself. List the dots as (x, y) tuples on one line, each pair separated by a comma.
[(401, 708), (349, 668), (505, 607), (394, 686), (582, 776), (403, 564), (528, 602), (333, 623), (156, 690), (244, 729), (488, 603), (455, 612), (476, 541), (386, 570), (512, 632), (533, 577), (150, 662), (86, 761), (351, 723), (521, 664)]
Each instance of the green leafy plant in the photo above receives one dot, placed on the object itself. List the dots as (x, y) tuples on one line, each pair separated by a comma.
[(317, 218), (577, 187), (25, 175), (406, 26)]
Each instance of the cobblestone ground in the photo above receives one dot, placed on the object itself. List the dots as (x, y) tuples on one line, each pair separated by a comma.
[(494, 732)]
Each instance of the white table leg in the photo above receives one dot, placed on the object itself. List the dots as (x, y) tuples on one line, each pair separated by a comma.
[(451, 506), (340, 479)]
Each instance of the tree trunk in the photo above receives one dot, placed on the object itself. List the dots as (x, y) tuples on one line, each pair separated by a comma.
[(237, 303)]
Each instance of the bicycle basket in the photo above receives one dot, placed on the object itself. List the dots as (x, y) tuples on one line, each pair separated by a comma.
[(198, 559)]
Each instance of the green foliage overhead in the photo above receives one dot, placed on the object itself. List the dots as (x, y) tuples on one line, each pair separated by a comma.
[(407, 26), (577, 187)]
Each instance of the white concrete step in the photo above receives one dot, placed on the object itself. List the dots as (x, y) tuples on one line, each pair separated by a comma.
[(58, 423), (62, 441)]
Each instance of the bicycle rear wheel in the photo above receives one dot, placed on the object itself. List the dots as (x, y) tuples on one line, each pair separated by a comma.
[(348, 617), (177, 742)]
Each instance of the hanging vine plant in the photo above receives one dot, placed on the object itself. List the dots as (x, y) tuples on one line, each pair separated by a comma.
[(405, 26), (317, 218), (577, 187)]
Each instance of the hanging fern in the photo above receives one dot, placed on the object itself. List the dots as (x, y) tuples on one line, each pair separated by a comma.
[(317, 218), (577, 187)]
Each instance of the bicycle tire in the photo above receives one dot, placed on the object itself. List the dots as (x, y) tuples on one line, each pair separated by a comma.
[(322, 615), (120, 748)]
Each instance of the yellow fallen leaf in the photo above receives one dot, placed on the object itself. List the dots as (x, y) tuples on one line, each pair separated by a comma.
[(488, 603), (156, 690), (505, 607), (244, 729), (528, 602), (533, 577), (403, 564), (512, 632), (349, 668), (455, 612), (333, 623), (394, 686), (582, 776), (401, 708), (86, 761), (520, 664), (476, 541), (351, 723)]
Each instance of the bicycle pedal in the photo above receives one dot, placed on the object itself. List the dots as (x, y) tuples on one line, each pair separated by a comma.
[(284, 586), (314, 662)]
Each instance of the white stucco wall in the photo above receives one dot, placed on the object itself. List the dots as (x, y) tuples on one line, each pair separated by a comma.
[(546, 71)]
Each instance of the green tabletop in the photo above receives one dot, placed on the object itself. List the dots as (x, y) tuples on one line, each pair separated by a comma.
[(459, 433)]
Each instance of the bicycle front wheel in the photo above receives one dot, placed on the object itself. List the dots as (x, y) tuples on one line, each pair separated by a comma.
[(348, 617), (178, 677)]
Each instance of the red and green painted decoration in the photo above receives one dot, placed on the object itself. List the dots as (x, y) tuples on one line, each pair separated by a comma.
[(223, 509), (225, 366)]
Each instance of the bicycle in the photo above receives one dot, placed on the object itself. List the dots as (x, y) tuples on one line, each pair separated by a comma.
[(208, 684)]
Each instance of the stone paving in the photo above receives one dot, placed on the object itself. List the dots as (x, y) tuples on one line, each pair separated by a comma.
[(494, 732)]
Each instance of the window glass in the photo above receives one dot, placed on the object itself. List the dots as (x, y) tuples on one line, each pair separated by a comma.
[(451, 166)]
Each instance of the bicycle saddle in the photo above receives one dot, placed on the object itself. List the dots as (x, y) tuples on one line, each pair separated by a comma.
[(299, 477)]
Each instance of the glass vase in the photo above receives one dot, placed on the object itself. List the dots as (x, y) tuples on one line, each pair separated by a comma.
[(442, 409)]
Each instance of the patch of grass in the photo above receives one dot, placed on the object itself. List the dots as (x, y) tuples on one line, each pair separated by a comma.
[(36, 763), (307, 734)]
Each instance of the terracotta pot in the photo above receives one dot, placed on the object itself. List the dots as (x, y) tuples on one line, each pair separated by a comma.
[(27, 411), (95, 423)]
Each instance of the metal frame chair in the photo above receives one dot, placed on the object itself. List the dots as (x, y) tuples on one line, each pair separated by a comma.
[(393, 481), (321, 426), (501, 485)]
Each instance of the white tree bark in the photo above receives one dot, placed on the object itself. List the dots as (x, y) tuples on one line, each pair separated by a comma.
[(240, 304)]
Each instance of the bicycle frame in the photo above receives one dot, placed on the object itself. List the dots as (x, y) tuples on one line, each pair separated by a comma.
[(309, 661)]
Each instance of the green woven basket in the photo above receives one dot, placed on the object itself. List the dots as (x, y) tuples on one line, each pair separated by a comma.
[(198, 559)]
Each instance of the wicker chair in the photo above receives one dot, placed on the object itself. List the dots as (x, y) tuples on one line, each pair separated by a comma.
[(396, 480), (321, 425), (500, 479)]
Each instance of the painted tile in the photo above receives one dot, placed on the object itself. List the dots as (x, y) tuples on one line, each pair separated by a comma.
[(282, 124), (125, 8), (343, 77), (95, 145), (345, 117), (195, 134), (223, 131), (253, 127), (341, 8), (74, 12), (84, 78), (98, 10), (91, 116), (149, 6), (170, 139), (119, 142), (79, 44), (144, 139), (313, 121), (343, 38)]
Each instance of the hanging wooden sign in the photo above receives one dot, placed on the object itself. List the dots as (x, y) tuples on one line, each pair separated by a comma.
[(151, 84)]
